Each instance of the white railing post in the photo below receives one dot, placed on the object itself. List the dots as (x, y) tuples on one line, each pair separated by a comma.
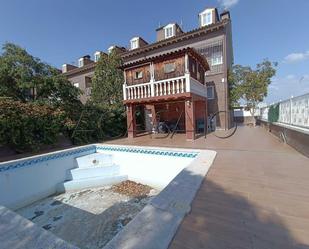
[(291, 110), (124, 89)]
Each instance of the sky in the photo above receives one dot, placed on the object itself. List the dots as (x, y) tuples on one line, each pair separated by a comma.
[(59, 31)]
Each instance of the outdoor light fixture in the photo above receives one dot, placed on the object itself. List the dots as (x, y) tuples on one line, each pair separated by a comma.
[(188, 103)]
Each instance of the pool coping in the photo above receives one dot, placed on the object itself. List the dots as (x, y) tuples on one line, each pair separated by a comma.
[(155, 226)]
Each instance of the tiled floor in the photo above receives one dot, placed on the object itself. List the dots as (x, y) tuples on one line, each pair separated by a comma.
[(255, 196)]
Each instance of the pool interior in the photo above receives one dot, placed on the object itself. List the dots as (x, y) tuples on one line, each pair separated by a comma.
[(89, 215)]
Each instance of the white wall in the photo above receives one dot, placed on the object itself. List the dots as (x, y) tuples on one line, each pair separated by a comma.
[(154, 170), (25, 184)]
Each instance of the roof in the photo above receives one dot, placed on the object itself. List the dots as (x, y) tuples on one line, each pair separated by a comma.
[(175, 39), (80, 69), (189, 50)]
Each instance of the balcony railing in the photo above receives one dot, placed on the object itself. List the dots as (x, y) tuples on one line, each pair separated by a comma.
[(183, 84)]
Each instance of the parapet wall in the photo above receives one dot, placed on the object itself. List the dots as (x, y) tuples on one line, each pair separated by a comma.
[(295, 137)]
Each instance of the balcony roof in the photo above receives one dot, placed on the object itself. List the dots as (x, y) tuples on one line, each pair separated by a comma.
[(191, 51)]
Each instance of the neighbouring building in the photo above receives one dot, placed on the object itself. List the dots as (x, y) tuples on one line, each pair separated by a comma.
[(180, 79), (81, 75)]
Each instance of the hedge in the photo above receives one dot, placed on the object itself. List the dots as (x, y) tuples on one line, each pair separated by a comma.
[(28, 126)]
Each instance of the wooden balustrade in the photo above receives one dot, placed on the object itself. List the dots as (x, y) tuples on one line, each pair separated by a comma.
[(161, 88)]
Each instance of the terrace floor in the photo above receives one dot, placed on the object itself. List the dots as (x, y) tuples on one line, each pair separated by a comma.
[(255, 195)]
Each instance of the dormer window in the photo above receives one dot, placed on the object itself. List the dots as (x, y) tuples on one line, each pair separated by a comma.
[(97, 56), (110, 49), (169, 31), (134, 43), (206, 17), (81, 62)]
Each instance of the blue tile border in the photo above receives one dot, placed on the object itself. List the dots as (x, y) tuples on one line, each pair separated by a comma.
[(148, 151), (44, 158)]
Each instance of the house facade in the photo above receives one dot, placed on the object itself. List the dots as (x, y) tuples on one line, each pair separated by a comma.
[(176, 57), (179, 71)]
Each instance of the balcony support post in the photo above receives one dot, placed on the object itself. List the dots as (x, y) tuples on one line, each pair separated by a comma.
[(188, 83), (186, 63)]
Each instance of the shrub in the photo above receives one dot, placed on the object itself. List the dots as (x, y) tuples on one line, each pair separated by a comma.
[(27, 126), (96, 124)]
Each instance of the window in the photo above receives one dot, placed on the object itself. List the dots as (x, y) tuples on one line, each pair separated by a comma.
[(210, 92), (138, 75), (134, 43), (169, 31), (97, 56), (217, 58), (81, 62), (76, 85), (193, 67), (198, 75), (206, 18), (169, 67), (110, 49)]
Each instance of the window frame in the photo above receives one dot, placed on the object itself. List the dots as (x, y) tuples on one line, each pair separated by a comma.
[(212, 92), (217, 60), (134, 43), (97, 56), (204, 17), (170, 71), (81, 62), (138, 75), (167, 28)]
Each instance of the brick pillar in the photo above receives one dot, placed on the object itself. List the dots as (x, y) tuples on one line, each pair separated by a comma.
[(131, 122), (190, 119)]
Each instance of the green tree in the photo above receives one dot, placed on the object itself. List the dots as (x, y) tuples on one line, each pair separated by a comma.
[(107, 82), (250, 85), (26, 78)]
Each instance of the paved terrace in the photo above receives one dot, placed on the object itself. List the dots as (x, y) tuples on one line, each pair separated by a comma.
[(255, 195)]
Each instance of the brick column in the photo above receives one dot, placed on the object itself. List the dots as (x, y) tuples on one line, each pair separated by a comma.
[(190, 119), (131, 122)]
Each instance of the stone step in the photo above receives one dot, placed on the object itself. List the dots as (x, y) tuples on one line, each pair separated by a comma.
[(96, 171), (90, 182)]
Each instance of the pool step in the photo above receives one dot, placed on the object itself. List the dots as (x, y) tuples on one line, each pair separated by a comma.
[(94, 171), (90, 182)]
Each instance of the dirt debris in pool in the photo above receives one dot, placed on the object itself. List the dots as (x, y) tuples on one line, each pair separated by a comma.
[(89, 218)]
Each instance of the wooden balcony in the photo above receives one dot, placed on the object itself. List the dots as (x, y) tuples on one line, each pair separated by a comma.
[(167, 87)]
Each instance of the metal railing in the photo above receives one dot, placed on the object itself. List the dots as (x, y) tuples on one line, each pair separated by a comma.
[(293, 111)]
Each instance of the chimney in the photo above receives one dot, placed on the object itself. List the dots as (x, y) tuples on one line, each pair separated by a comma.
[(67, 68), (225, 15), (83, 61)]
